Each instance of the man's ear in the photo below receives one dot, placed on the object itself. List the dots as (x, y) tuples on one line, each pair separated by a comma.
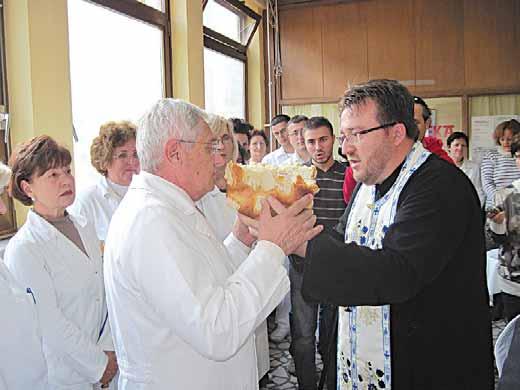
[(172, 150), (399, 133)]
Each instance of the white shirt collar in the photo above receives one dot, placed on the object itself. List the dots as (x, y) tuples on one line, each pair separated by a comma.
[(169, 192)]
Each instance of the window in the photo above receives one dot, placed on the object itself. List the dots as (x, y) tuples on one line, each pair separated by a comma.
[(228, 28), (224, 81), (120, 66)]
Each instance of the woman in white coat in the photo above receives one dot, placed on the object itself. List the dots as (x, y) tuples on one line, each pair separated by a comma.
[(221, 215), (57, 254), (114, 156), (22, 364)]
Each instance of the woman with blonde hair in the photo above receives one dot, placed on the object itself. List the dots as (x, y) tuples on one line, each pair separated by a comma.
[(227, 149), (113, 154), (221, 215), (22, 364), (57, 256)]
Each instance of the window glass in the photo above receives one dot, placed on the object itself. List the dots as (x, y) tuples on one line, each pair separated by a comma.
[(116, 65), (224, 82), (157, 4), (222, 20), (228, 21)]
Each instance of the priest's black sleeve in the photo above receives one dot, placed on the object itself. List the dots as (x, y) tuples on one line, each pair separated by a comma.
[(431, 226)]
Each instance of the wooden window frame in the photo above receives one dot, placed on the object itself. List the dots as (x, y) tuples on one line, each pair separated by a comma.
[(145, 13), (227, 46)]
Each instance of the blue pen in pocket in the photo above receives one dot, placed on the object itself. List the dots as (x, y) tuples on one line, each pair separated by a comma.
[(29, 291)]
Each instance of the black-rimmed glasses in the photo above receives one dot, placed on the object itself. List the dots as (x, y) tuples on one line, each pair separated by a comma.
[(355, 138)]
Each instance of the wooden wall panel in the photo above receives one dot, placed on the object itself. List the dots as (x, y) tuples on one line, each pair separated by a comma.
[(391, 41), (491, 47), (344, 47), (301, 49), (463, 46), (439, 38)]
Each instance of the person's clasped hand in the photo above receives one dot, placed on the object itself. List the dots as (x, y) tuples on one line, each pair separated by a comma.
[(110, 370), (289, 229), (499, 217)]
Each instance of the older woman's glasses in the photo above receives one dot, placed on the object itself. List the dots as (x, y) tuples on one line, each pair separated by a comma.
[(355, 138), (126, 156)]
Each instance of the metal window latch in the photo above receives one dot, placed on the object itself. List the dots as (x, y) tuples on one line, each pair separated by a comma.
[(4, 125)]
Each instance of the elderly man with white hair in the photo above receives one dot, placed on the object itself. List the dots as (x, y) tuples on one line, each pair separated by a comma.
[(183, 305)]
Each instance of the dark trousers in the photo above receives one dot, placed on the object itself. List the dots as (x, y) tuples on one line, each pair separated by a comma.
[(303, 319)]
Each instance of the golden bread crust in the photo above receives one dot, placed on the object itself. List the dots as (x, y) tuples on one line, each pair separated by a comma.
[(247, 185)]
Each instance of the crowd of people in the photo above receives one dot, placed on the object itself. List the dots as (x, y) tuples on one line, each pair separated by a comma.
[(149, 279)]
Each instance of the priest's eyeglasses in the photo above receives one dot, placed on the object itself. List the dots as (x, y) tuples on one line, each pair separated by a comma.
[(355, 138)]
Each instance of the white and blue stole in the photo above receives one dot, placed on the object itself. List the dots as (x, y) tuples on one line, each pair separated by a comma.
[(364, 350)]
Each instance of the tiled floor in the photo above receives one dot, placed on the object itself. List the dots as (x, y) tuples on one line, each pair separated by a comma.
[(281, 379)]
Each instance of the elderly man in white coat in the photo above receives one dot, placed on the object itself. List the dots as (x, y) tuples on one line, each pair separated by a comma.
[(184, 305)]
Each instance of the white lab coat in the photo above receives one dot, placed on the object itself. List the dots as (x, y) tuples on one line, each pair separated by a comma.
[(22, 364), (183, 305), (218, 212), (68, 290), (97, 203), (277, 157), (221, 217)]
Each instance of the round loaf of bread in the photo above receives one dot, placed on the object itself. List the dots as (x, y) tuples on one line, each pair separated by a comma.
[(247, 185)]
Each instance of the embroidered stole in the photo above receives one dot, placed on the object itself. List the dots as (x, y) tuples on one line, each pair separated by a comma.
[(364, 350)]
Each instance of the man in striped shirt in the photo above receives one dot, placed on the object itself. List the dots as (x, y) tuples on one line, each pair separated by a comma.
[(328, 208)]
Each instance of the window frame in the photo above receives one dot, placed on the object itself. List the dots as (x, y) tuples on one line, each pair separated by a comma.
[(150, 15), (220, 43)]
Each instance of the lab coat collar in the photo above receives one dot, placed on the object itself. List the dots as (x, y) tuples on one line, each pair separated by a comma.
[(103, 186), (45, 229), (169, 192), (215, 192), (106, 191)]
